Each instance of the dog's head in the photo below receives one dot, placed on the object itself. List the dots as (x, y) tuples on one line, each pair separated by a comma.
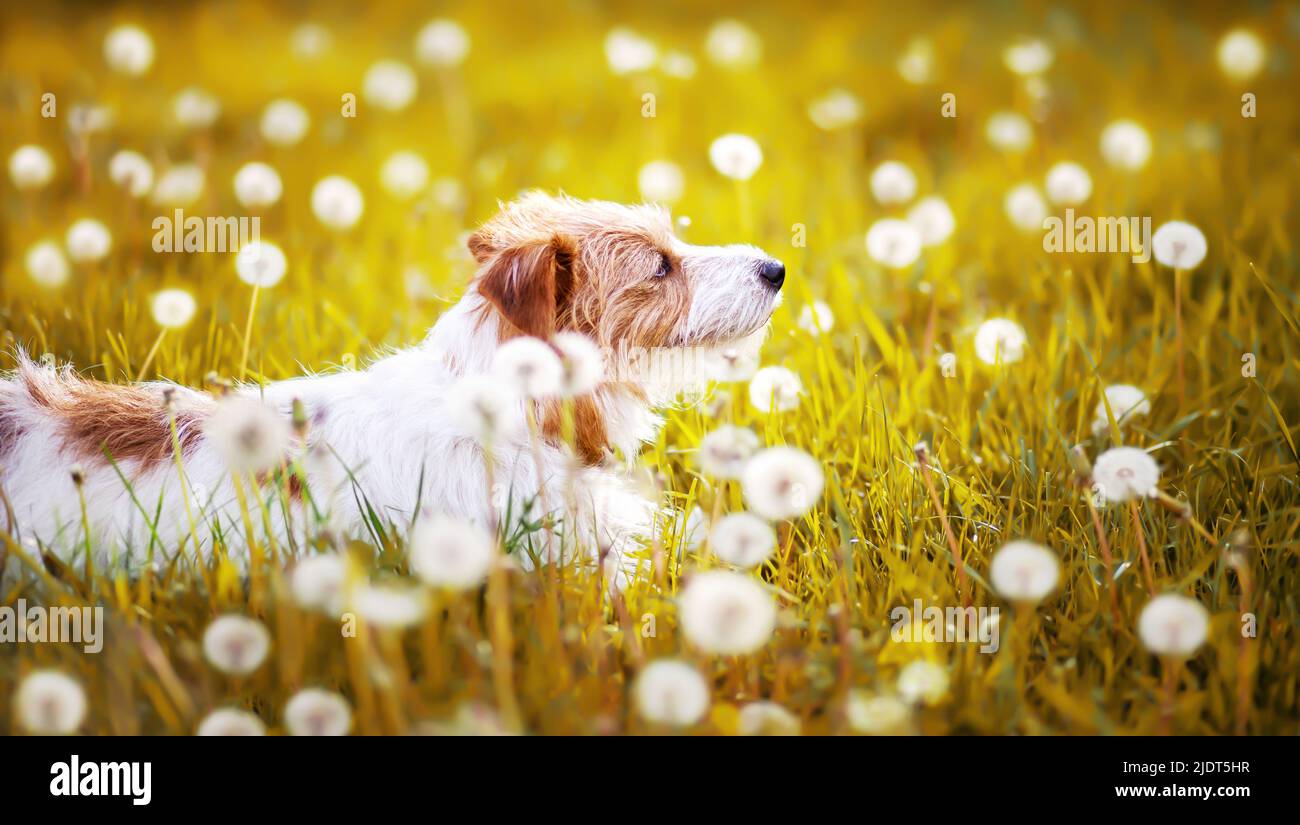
[(618, 274)]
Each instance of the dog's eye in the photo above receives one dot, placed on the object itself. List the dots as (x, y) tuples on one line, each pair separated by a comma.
[(665, 266)]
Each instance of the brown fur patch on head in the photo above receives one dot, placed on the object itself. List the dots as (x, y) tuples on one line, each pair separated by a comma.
[(590, 438)]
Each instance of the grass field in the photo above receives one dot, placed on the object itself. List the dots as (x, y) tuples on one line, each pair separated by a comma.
[(537, 103)]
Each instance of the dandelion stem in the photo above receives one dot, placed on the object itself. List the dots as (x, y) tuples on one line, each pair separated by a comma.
[(923, 461), (1104, 545), (1142, 547), (248, 332), (148, 359)]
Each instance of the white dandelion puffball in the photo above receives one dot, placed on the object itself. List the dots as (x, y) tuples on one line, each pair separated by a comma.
[(1173, 625), (447, 552), (584, 366), (1125, 145), (448, 194), (317, 712), (923, 682), (782, 483), (317, 583), (879, 715), (128, 50), (1000, 340), (767, 719), (337, 202), (836, 109), (893, 182), (736, 156), (730, 364), (1068, 184), (1028, 57), (916, 64), (441, 43), (1241, 54), (389, 85), (724, 451), (1025, 207), (662, 181), (172, 308), (1009, 132), (628, 52), (284, 122), (251, 436), (742, 539), (1126, 402), (30, 167), (404, 175), (726, 613), (893, 243), (131, 171), (529, 367), (261, 264), (310, 40), (180, 185), (677, 64), (733, 45), (1178, 245), (388, 607), (670, 692), (231, 722), (46, 265), (1123, 473), (236, 645), (48, 702), (1024, 571), (775, 389), (88, 240), (816, 318), (933, 219), (195, 108), (483, 407), (257, 186)]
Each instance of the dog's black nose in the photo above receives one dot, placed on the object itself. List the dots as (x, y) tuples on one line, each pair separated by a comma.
[(774, 273)]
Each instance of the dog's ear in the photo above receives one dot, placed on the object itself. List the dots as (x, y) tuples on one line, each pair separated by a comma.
[(527, 282)]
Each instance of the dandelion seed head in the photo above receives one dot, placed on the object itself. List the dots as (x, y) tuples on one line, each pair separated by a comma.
[(46, 265), (284, 122), (726, 613), (584, 366), (1241, 54), (1123, 473), (677, 64), (388, 607), (529, 367), (1173, 625), (1126, 402), (251, 436), (731, 364), (309, 41), (877, 714), (389, 85), (628, 52), (446, 552), (236, 645), (1009, 132), (893, 182), (923, 682), (131, 171), (916, 64), (317, 583), (1028, 57), (317, 712), (195, 108), (1125, 145), (1024, 571), (837, 109), (1178, 245), (172, 308), (733, 45), (404, 175), (933, 220), (1025, 207), (775, 389), (893, 243), (257, 185), (88, 241), (48, 702), (442, 43), (483, 406), (128, 50), (261, 264), (816, 318), (1068, 184), (782, 483), (179, 185), (742, 539), (671, 692), (1000, 340), (231, 722), (767, 719), (337, 203), (736, 156), (30, 167), (661, 181)]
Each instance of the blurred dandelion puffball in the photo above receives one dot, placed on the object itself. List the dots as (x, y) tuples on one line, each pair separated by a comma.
[(1123, 473), (309, 41), (30, 167), (1241, 54), (284, 122), (389, 85), (933, 220), (1126, 402), (1009, 132), (251, 436), (529, 367), (180, 185), (837, 109), (816, 318), (730, 364), (195, 108), (231, 722), (131, 171), (1028, 57), (172, 308), (1125, 145), (441, 43), (733, 45), (662, 181), (404, 175), (726, 613), (894, 243), (337, 202), (449, 553), (742, 539), (48, 702), (261, 264), (775, 389), (923, 682), (128, 50), (257, 185), (893, 182), (1068, 184), (677, 64), (1025, 207), (46, 265), (724, 451), (1000, 340), (916, 64), (767, 719), (628, 52), (317, 583), (1174, 626), (671, 692), (583, 363), (388, 607), (483, 407), (782, 483), (88, 241), (878, 715), (736, 156), (236, 645), (1024, 571), (1178, 245), (317, 712)]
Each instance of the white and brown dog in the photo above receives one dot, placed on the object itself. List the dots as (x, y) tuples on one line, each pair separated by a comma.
[(546, 264)]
